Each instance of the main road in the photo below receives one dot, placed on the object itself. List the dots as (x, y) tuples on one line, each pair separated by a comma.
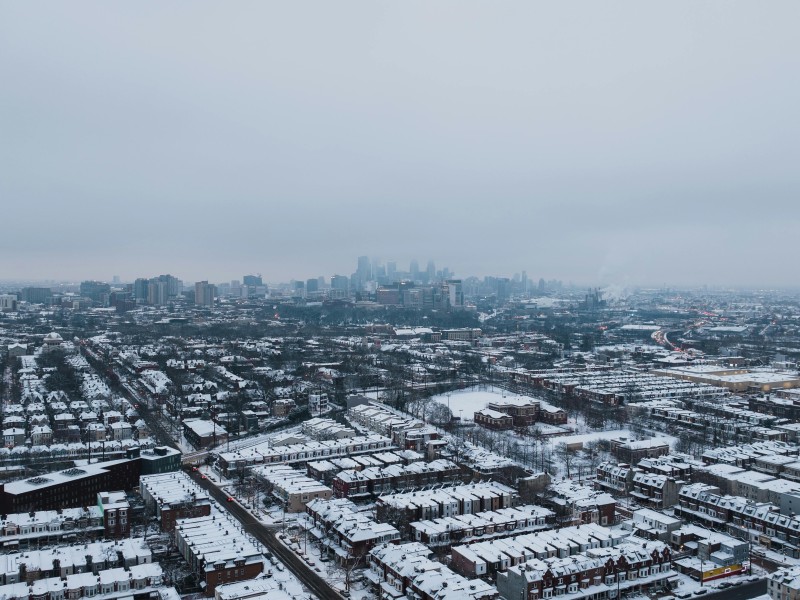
[(311, 579)]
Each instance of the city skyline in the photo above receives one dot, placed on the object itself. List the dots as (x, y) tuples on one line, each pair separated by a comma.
[(450, 300)]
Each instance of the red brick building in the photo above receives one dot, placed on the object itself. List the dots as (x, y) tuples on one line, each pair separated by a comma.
[(116, 514), (493, 419), (174, 496), (216, 551), (77, 486)]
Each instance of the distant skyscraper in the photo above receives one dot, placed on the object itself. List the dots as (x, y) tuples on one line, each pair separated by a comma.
[(8, 302), (37, 295), (204, 293), (157, 292), (253, 280), (364, 271), (340, 287), (391, 271), (312, 286), (456, 293), (414, 270), (503, 290), (174, 285), (431, 271), (140, 289), (97, 291)]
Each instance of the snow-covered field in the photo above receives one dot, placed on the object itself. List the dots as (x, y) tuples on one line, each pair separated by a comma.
[(471, 400)]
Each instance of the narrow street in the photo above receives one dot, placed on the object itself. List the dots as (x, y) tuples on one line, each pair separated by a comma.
[(148, 415), (314, 581), (157, 429)]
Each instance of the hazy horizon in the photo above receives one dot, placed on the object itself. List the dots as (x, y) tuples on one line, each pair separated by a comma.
[(614, 143)]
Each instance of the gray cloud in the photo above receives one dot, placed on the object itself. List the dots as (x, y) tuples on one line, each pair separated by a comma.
[(598, 142)]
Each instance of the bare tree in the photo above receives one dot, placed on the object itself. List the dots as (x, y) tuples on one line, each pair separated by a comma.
[(566, 456)]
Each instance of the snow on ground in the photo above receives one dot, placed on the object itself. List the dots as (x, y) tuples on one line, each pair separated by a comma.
[(273, 567), (471, 400), (687, 585), (298, 537), (607, 435)]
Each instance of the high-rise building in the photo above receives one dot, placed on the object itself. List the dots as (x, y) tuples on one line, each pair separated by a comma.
[(96, 291), (174, 285), (252, 280), (503, 290), (456, 294), (340, 287), (204, 293), (391, 271), (414, 270), (364, 272), (140, 290), (430, 272), (36, 295), (157, 292), (312, 286), (8, 302)]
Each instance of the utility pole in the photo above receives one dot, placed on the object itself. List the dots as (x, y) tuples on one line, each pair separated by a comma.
[(283, 517)]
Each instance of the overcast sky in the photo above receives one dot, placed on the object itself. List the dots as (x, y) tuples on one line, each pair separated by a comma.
[(596, 142)]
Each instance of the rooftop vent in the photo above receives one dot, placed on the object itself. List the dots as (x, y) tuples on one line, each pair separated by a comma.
[(39, 480)]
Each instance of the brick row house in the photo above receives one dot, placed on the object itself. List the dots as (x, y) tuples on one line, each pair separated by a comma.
[(614, 478), (445, 502), (378, 480), (174, 496), (597, 574), (445, 531), (575, 503), (348, 533), (487, 558), (407, 571), (655, 491), (759, 522), (217, 551)]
